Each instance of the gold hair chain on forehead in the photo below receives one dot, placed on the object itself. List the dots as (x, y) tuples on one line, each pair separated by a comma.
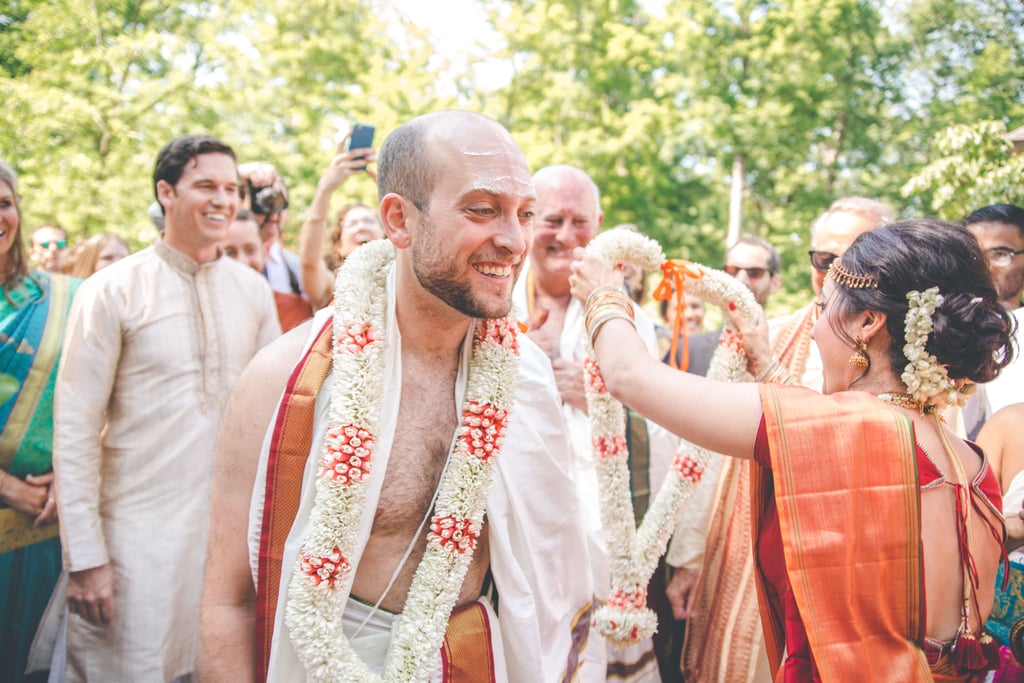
[(843, 277)]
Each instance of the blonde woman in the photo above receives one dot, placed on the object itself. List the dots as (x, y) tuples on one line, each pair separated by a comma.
[(96, 253)]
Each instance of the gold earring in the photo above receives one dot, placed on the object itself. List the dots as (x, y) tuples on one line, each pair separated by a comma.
[(859, 358)]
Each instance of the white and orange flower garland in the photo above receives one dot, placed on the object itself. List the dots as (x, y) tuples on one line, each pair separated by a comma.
[(322, 576), (633, 553)]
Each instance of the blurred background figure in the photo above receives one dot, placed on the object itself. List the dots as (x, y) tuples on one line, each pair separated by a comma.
[(1003, 442), (266, 200), (48, 245), (693, 320), (693, 316), (96, 253), (354, 225), (999, 229), (266, 197), (156, 215), (33, 311), (633, 276), (242, 241)]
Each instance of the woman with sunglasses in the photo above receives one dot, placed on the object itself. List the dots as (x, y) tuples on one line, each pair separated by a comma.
[(32, 315), (878, 531)]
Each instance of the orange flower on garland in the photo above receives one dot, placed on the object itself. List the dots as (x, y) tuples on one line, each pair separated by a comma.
[(347, 454), (454, 534), (594, 379), (687, 467), (636, 598), (502, 331), (355, 337), (324, 572), (483, 427), (609, 446)]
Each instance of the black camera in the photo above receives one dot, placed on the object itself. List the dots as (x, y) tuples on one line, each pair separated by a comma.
[(266, 200)]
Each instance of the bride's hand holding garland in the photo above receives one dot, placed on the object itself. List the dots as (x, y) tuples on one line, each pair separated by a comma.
[(633, 553)]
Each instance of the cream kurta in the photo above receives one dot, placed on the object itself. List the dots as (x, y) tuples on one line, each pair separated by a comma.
[(153, 346), (535, 538)]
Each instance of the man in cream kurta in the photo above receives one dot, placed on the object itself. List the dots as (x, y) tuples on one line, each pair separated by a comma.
[(153, 347)]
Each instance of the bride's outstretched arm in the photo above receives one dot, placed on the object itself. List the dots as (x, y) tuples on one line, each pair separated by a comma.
[(720, 416)]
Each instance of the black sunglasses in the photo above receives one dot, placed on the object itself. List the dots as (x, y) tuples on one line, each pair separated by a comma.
[(754, 273), (821, 260)]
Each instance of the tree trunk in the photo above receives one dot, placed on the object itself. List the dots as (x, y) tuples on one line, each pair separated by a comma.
[(739, 164)]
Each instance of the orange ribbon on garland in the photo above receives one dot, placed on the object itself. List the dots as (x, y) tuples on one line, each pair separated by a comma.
[(673, 278)]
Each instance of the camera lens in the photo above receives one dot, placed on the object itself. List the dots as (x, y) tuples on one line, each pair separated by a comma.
[(267, 200)]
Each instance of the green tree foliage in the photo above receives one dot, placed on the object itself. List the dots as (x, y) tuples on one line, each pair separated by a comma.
[(974, 167), (91, 91), (659, 100), (588, 89)]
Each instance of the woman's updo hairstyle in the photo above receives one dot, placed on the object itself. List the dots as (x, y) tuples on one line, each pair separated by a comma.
[(972, 332)]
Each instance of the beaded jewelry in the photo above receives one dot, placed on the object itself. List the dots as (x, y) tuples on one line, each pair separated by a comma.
[(847, 279)]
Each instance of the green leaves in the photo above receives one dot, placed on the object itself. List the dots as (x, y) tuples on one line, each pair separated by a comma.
[(656, 100), (973, 166)]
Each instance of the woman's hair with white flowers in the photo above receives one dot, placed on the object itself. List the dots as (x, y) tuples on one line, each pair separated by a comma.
[(971, 332)]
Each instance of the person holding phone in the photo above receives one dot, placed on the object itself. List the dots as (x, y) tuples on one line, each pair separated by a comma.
[(354, 225)]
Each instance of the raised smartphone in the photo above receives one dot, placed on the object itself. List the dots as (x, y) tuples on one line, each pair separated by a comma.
[(362, 136)]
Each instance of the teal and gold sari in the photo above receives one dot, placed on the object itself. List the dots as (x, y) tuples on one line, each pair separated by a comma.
[(32, 318)]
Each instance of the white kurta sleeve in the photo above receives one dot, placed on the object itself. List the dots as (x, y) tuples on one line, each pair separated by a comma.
[(92, 348), (270, 328)]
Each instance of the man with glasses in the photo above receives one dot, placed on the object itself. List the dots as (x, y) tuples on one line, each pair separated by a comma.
[(999, 229), (755, 262), (48, 245), (714, 591)]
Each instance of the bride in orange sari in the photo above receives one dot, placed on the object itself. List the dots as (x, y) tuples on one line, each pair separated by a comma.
[(878, 531)]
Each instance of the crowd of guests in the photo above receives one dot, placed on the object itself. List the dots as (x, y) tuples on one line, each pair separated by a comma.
[(105, 492)]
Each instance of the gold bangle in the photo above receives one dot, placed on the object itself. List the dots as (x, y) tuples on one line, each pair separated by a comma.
[(604, 308), (624, 306), (603, 289), (610, 297), (596, 326), (771, 367), (775, 373)]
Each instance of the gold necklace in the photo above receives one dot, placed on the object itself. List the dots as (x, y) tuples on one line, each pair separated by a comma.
[(905, 400)]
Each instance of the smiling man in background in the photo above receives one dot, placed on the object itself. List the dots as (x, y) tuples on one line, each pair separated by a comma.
[(153, 346)]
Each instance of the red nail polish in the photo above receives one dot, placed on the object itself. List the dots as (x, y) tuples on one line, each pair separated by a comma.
[(732, 306)]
